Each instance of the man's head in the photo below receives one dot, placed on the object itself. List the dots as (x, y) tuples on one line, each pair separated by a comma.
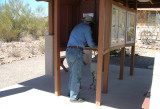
[(88, 19)]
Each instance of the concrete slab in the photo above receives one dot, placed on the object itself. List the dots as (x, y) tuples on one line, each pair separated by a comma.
[(38, 93), (155, 89)]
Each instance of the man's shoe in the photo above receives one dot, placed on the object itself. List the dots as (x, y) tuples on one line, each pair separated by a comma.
[(79, 100)]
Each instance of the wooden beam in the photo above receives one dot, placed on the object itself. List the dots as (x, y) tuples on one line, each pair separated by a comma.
[(135, 6), (51, 17), (125, 3), (57, 46), (100, 51), (106, 72), (147, 5), (132, 60), (122, 63)]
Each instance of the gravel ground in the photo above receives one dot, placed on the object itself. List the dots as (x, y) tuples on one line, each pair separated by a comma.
[(20, 71)]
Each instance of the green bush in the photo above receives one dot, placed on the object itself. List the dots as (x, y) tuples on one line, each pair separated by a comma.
[(17, 17)]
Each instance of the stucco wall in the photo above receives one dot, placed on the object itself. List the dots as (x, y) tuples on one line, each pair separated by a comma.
[(49, 55)]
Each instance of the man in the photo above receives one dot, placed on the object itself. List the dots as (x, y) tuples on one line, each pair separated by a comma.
[(80, 35)]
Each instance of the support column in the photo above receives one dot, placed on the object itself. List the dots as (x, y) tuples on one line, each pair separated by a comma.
[(132, 60), (51, 17), (106, 72), (122, 63), (100, 51), (105, 12), (57, 46)]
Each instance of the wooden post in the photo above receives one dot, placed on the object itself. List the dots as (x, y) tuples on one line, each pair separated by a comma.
[(105, 10), (107, 40), (132, 60), (100, 51), (106, 72), (122, 63), (51, 18), (57, 46)]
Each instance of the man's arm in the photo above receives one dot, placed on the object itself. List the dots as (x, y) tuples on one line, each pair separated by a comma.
[(89, 39)]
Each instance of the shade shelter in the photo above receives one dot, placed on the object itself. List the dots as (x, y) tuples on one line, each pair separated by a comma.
[(115, 23)]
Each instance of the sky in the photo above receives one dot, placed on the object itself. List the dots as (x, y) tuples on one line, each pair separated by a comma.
[(34, 4)]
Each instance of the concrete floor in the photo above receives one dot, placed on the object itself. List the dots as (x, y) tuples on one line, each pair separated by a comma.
[(38, 93)]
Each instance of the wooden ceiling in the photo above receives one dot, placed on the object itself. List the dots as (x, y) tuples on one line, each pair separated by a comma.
[(150, 4)]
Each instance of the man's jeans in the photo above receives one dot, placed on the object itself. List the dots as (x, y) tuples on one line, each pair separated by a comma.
[(75, 61)]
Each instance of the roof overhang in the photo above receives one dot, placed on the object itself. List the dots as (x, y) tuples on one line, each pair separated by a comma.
[(43, 0), (140, 3)]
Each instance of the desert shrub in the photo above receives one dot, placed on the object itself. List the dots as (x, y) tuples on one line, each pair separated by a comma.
[(27, 38), (33, 51), (42, 45), (14, 52)]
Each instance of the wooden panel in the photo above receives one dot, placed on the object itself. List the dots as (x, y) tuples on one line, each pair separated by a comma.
[(69, 14), (66, 24), (57, 46), (72, 14)]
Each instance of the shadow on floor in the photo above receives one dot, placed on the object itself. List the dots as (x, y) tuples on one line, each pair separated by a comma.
[(140, 61), (14, 91), (122, 94)]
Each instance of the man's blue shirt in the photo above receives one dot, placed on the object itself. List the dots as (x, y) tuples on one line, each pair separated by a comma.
[(80, 35)]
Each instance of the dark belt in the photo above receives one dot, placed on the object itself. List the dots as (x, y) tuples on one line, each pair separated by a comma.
[(77, 47)]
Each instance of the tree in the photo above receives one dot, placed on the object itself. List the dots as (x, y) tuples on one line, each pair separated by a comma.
[(17, 17)]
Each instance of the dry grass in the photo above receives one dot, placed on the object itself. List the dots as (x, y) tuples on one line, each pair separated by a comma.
[(27, 47), (14, 53)]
